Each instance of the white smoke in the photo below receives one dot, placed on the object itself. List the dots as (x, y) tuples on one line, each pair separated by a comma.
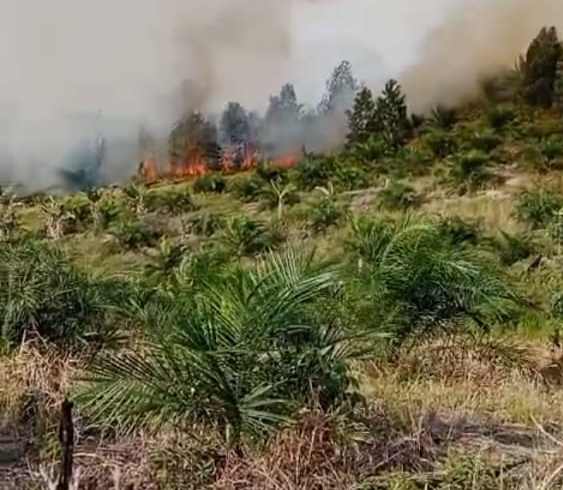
[(64, 61)]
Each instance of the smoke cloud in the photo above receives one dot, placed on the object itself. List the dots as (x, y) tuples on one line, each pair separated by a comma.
[(72, 69)]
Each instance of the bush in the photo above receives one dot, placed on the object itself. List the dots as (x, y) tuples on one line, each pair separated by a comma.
[(79, 206), (43, 294), (459, 232), (238, 357), (398, 195), (248, 188), (313, 171), (133, 234), (205, 223), (499, 116), (210, 183), (512, 248), (486, 141), (441, 144), (324, 213), (173, 200), (538, 208), (426, 281), (271, 172), (251, 237), (470, 169)]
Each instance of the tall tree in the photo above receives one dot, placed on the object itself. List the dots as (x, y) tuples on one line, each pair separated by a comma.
[(235, 124), (193, 134), (391, 110), (340, 89), (362, 119), (538, 68)]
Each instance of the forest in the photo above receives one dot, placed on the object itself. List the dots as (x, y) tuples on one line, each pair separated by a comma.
[(276, 307)]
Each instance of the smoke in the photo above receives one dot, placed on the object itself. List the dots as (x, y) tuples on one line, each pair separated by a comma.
[(73, 69), (477, 38)]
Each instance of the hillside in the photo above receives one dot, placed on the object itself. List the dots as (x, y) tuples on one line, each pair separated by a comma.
[(384, 317)]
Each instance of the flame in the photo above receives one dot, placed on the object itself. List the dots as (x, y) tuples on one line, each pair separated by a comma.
[(148, 170), (194, 164), (286, 161)]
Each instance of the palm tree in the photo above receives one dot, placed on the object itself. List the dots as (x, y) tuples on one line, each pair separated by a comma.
[(237, 356), (412, 266)]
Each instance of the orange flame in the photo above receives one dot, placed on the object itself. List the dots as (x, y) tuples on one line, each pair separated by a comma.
[(286, 161), (148, 170)]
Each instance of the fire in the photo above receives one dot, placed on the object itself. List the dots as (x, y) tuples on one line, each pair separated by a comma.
[(194, 164), (148, 170), (286, 161)]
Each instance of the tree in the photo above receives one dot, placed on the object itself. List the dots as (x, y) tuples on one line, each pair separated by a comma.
[(235, 124), (391, 110), (340, 89), (282, 128), (538, 68), (191, 135), (362, 119)]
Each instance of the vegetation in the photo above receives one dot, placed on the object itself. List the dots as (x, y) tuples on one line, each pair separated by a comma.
[(386, 316)]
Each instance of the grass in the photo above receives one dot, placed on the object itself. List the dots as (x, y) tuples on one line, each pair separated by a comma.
[(419, 350)]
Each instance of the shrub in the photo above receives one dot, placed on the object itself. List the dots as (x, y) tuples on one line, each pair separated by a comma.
[(211, 183), (172, 200), (458, 231), (313, 171), (486, 141), (512, 248), (205, 223), (428, 281), (271, 172), (238, 357), (248, 188), (538, 208), (133, 234), (79, 206), (499, 116), (470, 169), (441, 144), (398, 195), (251, 237), (444, 117), (43, 294)]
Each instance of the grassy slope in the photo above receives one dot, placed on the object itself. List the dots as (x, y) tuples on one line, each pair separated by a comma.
[(498, 411)]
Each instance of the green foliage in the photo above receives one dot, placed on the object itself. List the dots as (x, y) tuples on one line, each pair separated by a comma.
[(471, 169), (441, 143), (251, 237), (391, 114), (326, 211), (42, 294), (444, 117), (173, 200), (399, 195), (238, 357), (538, 68), (434, 282), (205, 223), (248, 188), (79, 206), (538, 208), (459, 232), (512, 248), (362, 121), (313, 171), (211, 183), (486, 141), (499, 116), (133, 234)]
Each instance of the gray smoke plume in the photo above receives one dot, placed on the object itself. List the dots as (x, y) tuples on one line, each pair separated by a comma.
[(73, 70)]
